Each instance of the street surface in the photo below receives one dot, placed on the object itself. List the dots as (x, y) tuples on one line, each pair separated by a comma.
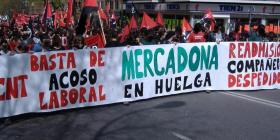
[(220, 115)]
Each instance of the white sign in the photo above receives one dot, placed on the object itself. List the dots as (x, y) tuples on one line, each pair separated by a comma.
[(50, 81)]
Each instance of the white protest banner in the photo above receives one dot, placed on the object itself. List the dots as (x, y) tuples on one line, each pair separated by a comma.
[(50, 81)]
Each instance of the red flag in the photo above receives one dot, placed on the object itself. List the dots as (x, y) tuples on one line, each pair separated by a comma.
[(61, 19), (69, 12), (90, 3), (208, 15), (186, 26), (48, 11), (107, 9), (147, 22), (102, 14), (95, 40), (21, 19), (132, 23), (159, 20), (124, 34), (55, 19)]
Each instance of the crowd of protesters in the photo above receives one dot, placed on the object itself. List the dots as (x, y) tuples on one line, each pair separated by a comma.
[(36, 37)]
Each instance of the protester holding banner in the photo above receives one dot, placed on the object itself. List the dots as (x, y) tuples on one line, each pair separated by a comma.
[(209, 34), (113, 42), (178, 37), (235, 35), (147, 37), (220, 35), (258, 34), (196, 35), (48, 32), (70, 77)]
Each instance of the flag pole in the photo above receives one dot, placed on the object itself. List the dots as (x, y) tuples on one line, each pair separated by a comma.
[(101, 24)]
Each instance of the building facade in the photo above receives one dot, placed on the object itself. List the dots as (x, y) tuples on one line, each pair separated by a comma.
[(115, 5), (36, 6), (226, 13)]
